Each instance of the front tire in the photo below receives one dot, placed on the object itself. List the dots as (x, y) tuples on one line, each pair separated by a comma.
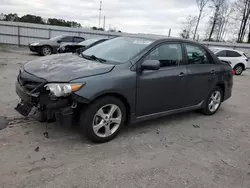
[(213, 102), (102, 120), (46, 50)]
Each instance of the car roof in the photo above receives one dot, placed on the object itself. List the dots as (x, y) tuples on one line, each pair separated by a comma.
[(227, 49), (163, 38)]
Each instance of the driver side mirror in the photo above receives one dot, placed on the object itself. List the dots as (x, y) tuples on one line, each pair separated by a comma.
[(59, 41), (150, 65)]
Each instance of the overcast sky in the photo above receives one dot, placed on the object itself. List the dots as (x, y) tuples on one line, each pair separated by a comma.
[(136, 16)]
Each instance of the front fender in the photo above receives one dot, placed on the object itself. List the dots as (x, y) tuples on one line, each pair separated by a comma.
[(122, 83)]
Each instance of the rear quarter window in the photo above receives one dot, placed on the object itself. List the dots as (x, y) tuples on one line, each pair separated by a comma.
[(232, 54)]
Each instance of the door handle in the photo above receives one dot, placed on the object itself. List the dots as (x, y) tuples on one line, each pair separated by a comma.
[(181, 74), (212, 72)]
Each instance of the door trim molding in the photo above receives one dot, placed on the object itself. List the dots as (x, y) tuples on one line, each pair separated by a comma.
[(169, 112)]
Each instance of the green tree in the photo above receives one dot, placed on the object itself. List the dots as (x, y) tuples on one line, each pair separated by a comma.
[(31, 19), (11, 17)]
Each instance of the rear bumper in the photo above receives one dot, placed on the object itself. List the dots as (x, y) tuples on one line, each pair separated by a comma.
[(227, 94)]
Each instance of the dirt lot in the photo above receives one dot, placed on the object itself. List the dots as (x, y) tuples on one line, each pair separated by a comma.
[(186, 150)]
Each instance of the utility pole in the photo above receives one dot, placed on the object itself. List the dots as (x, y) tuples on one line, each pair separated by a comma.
[(104, 23), (169, 33), (100, 12)]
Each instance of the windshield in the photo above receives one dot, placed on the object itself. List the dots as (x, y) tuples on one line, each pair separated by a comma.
[(118, 50), (56, 38), (88, 42)]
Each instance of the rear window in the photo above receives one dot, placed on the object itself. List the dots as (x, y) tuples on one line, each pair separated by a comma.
[(245, 55)]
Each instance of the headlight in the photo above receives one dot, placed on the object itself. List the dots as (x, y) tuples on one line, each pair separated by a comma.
[(62, 90), (34, 44)]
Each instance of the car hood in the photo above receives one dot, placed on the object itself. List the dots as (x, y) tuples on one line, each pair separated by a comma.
[(40, 42), (65, 67)]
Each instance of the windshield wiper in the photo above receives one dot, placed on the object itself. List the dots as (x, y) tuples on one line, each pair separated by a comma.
[(93, 57)]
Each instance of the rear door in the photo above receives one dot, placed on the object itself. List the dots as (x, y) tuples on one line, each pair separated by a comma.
[(202, 73)]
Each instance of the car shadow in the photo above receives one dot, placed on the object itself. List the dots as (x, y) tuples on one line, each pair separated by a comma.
[(160, 122), (74, 133)]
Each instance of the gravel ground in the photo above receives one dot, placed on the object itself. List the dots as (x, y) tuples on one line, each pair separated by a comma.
[(185, 150)]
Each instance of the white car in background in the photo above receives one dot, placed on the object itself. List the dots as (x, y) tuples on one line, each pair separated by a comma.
[(237, 59)]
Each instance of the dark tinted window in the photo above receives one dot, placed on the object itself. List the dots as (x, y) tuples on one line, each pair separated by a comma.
[(197, 55), (168, 55), (67, 39), (232, 54), (78, 39), (221, 53)]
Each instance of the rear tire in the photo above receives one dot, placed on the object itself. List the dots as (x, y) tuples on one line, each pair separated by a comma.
[(103, 119), (238, 69), (213, 101)]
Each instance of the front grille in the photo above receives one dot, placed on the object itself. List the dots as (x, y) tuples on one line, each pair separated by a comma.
[(29, 82)]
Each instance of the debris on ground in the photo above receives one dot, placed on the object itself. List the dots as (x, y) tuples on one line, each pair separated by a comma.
[(157, 132), (46, 134), (43, 159), (3, 122), (227, 163), (37, 149), (196, 126)]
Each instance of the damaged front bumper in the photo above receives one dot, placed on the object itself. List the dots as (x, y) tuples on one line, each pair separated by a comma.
[(60, 108)]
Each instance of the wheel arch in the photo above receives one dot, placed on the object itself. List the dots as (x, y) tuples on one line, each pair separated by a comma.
[(119, 96), (241, 64), (221, 85)]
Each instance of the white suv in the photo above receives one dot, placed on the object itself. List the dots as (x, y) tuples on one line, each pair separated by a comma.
[(237, 59)]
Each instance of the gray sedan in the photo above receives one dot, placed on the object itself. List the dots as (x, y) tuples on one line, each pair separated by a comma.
[(124, 80), (48, 47)]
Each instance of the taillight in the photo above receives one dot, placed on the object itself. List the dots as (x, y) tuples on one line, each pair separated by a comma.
[(233, 72)]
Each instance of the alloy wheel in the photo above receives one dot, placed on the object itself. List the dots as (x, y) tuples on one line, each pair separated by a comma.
[(107, 120), (238, 70), (214, 101), (46, 51)]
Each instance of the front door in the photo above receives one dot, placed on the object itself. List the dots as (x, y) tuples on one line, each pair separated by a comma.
[(164, 89)]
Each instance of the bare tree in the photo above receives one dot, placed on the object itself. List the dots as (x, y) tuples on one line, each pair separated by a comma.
[(248, 37), (201, 4), (243, 8), (217, 5), (226, 20), (188, 27)]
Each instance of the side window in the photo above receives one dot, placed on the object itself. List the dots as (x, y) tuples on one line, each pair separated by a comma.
[(197, 55), (221, 53), (78, 39), (232, 54), (67, 39), (168, 54)]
